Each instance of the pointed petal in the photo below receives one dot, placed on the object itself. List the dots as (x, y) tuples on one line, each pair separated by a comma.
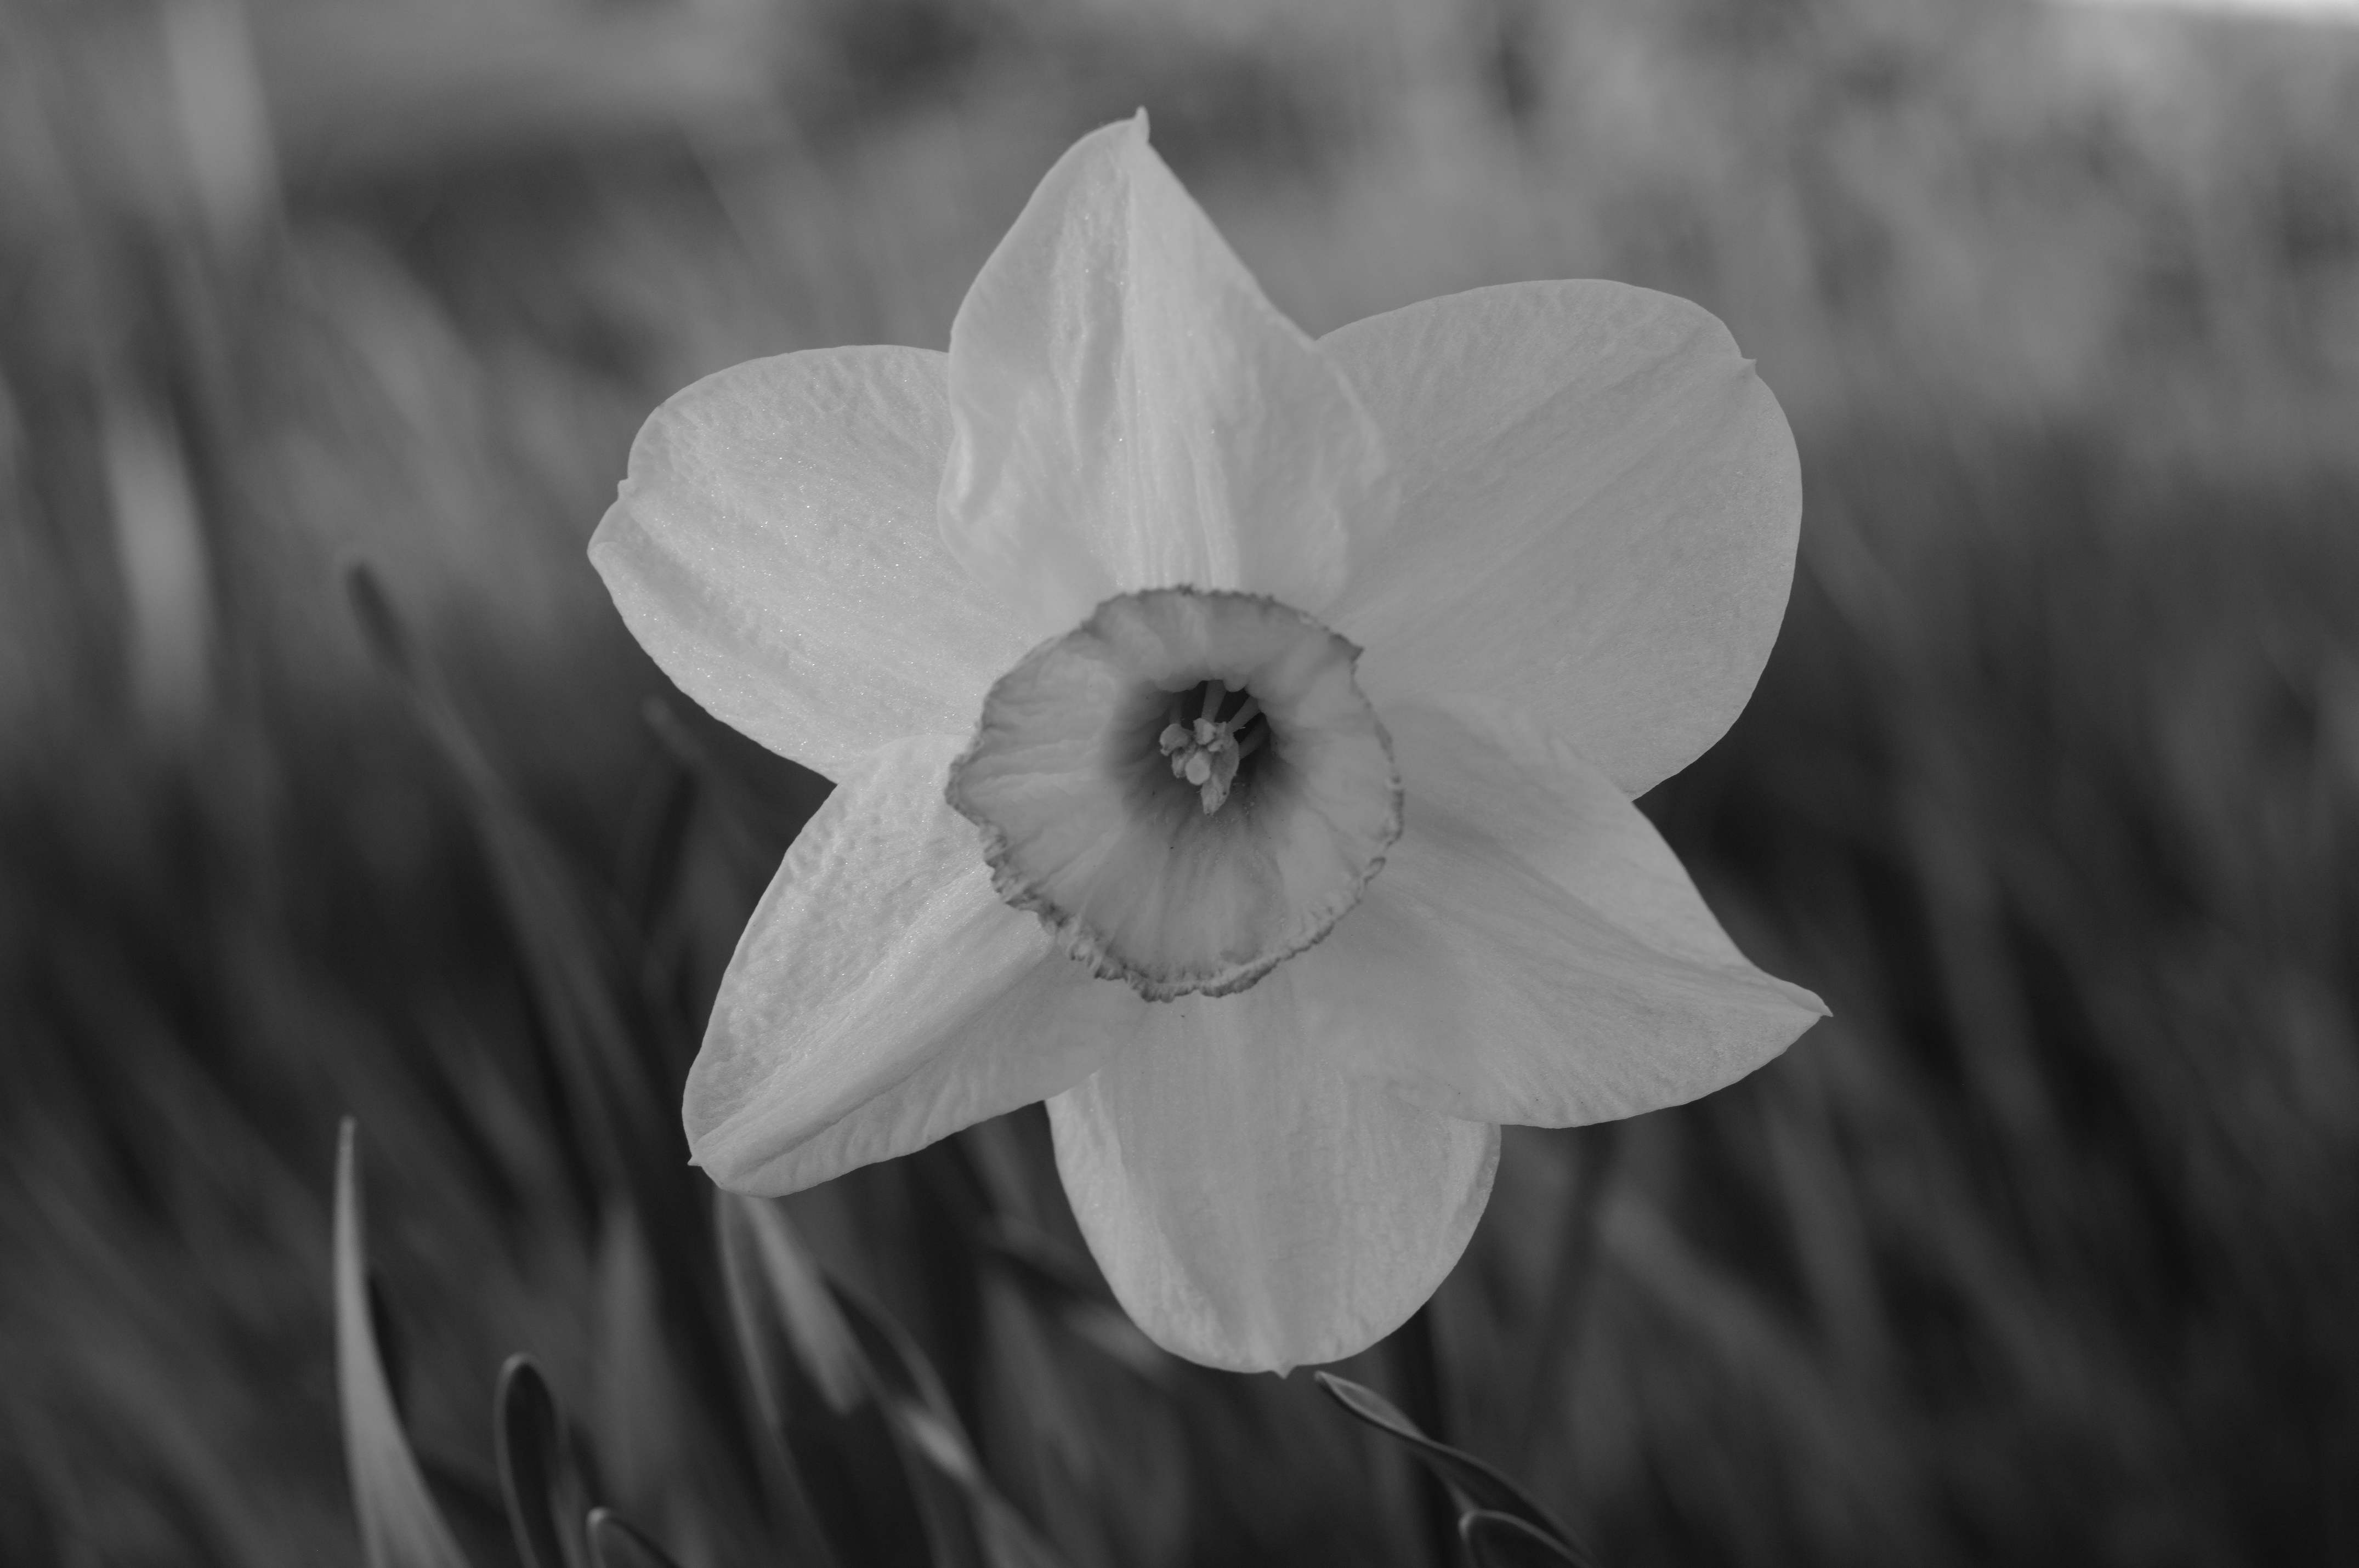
[(882, 996), (774, 548), (1596, 527), (1533, 952), (1251, 1210), (1131, 413)]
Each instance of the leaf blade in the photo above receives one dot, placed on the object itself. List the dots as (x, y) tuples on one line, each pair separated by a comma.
[(1477, 1480), (1497, 1540), (541, 1479), (615, 1544), (921, 1407), (399, 1525), (847, 1482)]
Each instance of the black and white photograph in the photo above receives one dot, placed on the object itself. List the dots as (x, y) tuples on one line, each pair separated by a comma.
[(1179, 783)]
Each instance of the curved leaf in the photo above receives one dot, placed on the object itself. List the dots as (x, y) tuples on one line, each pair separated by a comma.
[(1477, 1481), (811, 1386), (541, 1478), (922, 1409), (1502, 1541), (399, 1525), (615, 1544)]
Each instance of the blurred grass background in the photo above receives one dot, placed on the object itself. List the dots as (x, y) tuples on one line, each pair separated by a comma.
[(2041, 1250)]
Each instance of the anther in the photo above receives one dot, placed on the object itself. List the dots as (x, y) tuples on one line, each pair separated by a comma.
[(1205, 750)]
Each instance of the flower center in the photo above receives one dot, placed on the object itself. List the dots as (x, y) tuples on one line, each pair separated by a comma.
[(1208, 751), (1188, 788)]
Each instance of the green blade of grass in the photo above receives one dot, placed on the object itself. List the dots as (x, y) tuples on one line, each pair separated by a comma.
[(1475, 1479), (614, 1543), (846, 1483), (1502, 1541), (610, 1081), (399, 1525), (541, 1478), (914, 1396)]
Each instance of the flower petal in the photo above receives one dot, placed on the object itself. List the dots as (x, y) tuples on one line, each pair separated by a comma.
[(1596, 525), (1131, 413), (1252, 1209), (1533, 952), (883, 996), (774, 547)]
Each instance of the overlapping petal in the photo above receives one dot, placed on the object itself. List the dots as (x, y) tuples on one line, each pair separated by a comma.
[(1597, 517), (1130, 412), (774, 549), (1534, 952), (1252, 1207), (883, 997)]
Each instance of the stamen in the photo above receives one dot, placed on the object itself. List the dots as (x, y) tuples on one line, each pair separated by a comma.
[(1205, 752), (1215, 790)]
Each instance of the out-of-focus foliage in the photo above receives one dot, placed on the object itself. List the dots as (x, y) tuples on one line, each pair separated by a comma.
[(2039, 1251)]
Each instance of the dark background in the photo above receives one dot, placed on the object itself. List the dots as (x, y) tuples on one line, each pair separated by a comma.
[(2040, 1251)]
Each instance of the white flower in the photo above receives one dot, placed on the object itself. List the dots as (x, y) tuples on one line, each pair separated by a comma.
[(1070, 614)]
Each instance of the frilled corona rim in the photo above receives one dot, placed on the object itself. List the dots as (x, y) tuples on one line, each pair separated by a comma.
[(1093, 820)]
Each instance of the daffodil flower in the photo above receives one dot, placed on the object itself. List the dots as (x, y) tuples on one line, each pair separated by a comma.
[(1234, 737)]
